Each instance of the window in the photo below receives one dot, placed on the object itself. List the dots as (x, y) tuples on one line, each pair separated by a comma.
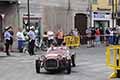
[(94, 1), (118, 2)]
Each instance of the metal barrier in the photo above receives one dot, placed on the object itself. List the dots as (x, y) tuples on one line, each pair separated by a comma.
[(113, 59), (72, 41)]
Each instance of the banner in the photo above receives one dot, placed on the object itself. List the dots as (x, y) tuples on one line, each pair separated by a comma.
[(72, 41)]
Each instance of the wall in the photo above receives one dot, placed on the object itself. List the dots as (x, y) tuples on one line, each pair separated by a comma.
[(40, 8), (103, 4)]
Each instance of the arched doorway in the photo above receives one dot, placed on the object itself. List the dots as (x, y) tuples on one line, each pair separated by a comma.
[(81, 25), (1, 29)]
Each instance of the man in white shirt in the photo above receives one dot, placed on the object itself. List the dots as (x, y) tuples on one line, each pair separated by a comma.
[(50, 37), (21, 40)]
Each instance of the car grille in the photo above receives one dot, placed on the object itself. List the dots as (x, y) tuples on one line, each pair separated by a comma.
[(51, 63)]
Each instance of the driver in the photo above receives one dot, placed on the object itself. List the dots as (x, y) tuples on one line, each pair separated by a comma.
[(52, 47)]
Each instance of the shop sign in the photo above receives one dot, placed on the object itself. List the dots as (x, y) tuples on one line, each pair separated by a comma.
[(102, 15)]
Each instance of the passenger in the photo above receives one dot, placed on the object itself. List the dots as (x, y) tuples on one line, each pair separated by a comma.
[(63, 46)]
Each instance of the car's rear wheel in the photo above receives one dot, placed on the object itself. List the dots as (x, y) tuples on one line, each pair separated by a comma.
[(37, 65), (68, 67)]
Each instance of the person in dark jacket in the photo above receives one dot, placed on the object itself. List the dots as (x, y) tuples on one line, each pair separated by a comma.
[(11, 38), (7, 36)]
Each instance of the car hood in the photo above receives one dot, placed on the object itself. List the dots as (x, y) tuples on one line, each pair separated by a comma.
[(55, 54)]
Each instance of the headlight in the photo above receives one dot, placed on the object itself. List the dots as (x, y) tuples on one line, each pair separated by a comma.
[(59, 56), (43, 57), (66, 55)]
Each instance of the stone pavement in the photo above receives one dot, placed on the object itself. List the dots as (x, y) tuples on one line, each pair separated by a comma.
[(90, 66)]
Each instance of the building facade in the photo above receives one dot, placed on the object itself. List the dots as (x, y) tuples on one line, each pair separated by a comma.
[(8, 15), (52, 14), (103, 13)]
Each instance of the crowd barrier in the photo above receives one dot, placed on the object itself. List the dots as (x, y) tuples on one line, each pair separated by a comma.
[(113, 59), (72, 41)]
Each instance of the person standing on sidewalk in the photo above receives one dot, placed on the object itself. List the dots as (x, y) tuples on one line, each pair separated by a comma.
[(51, 37), (97, 37), (60, 37), (20, 39), (7, 37), (88, 35), (11, 38), (32, 37)]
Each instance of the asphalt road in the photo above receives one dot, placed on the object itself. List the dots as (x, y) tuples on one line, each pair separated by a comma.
[(90, 66)]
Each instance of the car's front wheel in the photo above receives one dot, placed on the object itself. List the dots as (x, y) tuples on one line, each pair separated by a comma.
[(37, 65)]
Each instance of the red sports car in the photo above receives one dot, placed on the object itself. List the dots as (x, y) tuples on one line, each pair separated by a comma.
[(55, 60)]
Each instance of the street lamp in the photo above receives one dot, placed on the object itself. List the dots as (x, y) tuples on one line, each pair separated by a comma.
[(113, 13), (90, 12), (18, 12), (28, 6)]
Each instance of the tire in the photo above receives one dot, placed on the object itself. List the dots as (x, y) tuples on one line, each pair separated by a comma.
[(68, 67), (37, 65)]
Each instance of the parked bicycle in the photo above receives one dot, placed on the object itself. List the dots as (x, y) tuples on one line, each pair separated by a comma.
[(42, 45)]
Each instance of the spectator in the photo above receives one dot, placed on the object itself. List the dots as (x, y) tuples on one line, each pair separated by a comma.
[(97, 37), (60, 37), (45, 38), (88, 35), (111, 36), (7, 37), (20, 39), (118, 34), (75, 32), (32, 37), (107, 34), (114, 36), (92, 36), (50, 37)]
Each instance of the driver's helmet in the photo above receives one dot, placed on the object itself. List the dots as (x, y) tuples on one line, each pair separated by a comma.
[(53, 44), (64, 44)]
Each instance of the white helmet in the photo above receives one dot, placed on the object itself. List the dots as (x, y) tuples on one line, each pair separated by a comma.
[(32, 27), (7, 27)]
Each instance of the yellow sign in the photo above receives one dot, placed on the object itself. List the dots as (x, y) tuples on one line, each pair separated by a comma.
[(72, 41)]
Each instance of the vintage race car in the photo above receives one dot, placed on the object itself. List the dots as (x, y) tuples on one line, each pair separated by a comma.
[(55, 60)]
